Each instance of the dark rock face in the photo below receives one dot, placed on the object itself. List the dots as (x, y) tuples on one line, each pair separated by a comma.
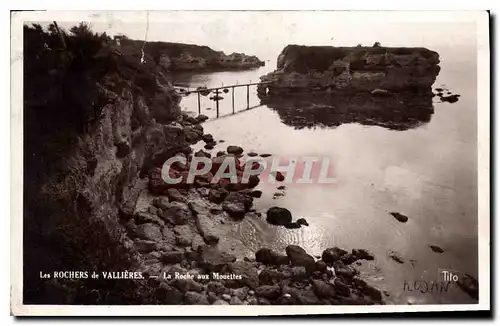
[(278, 216)]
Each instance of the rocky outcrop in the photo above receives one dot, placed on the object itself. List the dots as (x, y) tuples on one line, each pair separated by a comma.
[(329, 86), (306, 69), (190, 57)]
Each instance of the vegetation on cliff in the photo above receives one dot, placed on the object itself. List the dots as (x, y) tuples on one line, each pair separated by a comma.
[(302, 59), (70, 77), (181, 57)]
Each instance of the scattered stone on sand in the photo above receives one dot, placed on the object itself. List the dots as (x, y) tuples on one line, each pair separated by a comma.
[(236, 204), (212, 260), (400, 217), (299, 257), (348, 259), (396, 256), (450, 98), (252, 154), (278, 216), (265, 155), (149, 231), (172, 257), (162, 202), (341, 288), (222, 141), (271, 292), (178, 213), (236, 150), (331, 255), (281, 188), (248, 273), (362, 254), (217, 195), (267, 256), (436, 249), (195, 298), (322, 289), (174, 195), (321, 266)]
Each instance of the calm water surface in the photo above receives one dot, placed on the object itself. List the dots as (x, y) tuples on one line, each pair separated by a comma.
[(427, 173)]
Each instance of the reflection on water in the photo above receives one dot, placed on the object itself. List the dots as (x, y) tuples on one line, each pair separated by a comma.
[(388, 157), (396, 112)]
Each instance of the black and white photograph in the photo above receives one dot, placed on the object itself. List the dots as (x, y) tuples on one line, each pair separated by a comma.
[(260, 159)]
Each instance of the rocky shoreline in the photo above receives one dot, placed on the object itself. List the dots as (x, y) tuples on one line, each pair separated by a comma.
[(180, 57), (173, 231)]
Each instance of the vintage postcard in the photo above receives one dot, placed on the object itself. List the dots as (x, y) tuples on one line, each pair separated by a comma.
[(250, 162)]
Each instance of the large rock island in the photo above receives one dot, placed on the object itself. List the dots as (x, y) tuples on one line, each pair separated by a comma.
[(186, 57), (329, 86), (325, 68)]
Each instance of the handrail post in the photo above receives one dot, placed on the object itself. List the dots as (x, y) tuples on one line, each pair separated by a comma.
[(232, 94), (248, 96), (217, 101), (199, 103)]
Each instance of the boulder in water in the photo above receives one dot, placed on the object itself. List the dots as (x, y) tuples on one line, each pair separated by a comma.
[(278, 216)]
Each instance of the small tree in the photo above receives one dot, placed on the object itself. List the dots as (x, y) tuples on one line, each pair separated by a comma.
[(376, 44)]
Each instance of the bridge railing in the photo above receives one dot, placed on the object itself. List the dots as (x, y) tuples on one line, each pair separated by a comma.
[(222, 89)]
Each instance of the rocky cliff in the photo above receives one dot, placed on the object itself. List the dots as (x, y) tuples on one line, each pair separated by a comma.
[(99, 124), (186, 57), (306, 69)]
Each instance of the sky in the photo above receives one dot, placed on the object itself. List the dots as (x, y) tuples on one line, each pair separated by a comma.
[(266, 33)]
